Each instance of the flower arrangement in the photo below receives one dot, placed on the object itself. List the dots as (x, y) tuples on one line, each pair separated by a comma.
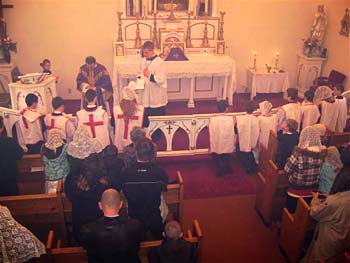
[(6, 46)]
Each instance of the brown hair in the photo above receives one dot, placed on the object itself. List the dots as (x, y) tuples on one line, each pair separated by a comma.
[(129, 108)]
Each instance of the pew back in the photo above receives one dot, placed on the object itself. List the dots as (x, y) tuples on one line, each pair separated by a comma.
[(31, 178), (339, 139), (269, 153)]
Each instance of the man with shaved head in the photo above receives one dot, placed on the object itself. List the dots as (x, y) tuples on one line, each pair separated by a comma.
[(113, 237)]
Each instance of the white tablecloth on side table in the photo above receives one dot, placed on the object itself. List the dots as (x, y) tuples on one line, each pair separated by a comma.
[(196, 66), (260, 81)]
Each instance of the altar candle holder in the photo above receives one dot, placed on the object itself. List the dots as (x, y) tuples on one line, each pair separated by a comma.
[(254, 62), (277, 58)]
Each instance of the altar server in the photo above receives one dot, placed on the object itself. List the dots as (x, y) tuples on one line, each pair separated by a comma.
[(127, 115), (343, 108), (222, 139), (31, 126), (329, 107), (267, 122), (59, 120), (310, 111), (95, 118), (291, 110), (154, 95), (93, 75), (248, 135)]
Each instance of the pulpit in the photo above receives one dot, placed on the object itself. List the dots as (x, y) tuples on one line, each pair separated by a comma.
[(45, 90)]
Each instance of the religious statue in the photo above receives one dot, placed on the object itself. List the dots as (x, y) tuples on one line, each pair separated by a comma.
[(344, 24), (313, 45)]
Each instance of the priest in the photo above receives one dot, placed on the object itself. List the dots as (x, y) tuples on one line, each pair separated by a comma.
[(93, 75)]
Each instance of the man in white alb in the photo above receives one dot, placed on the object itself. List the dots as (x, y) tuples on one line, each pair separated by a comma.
[(291, 110), (310, 111)]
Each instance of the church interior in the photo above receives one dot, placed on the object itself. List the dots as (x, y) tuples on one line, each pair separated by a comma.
[(244, 53)]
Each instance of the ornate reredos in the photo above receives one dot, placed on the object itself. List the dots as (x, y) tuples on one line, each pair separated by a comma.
[(162, 21)]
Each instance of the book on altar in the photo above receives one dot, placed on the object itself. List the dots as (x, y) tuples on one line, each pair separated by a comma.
[(139, 83), (33, 78)]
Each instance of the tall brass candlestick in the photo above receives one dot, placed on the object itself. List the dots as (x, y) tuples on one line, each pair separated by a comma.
[(188, 33), (120, 31), (138, 43), (277, 58)]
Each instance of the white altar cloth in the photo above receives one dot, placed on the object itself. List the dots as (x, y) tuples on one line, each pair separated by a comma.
[(260, 81), (196, 66)]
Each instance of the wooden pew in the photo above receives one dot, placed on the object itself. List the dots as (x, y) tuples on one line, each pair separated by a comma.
[(39, 213), (174, 198), (31, 178), (269, 153), (271, 193), (78, 254), (294, 228), (339, 139)]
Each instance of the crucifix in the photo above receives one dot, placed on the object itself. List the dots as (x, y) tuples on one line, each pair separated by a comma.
[(3, 26), (169, 128)]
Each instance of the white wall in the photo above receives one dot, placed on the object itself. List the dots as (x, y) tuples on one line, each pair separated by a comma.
[(66, 31)]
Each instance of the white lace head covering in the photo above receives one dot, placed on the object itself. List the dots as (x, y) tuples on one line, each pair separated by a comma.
[(54, 139), (265, 107), (322, 93), (310, 137), (321, 128), (333, 158), (129, 91), (83, 144)]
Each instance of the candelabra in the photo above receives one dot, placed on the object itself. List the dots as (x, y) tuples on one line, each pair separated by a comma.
[(188, 33), (221, 26), (205, 41), (154, 37), (138, 34), (120, 31)]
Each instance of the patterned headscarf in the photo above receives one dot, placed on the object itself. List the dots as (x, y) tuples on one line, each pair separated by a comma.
[(321, 128), (265, 107), (54, 139), (333, 158), (310, 137), (83, 144), (322, 93)]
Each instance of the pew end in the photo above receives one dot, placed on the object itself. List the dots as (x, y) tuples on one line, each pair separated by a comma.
[(294, 229), (31, 179)]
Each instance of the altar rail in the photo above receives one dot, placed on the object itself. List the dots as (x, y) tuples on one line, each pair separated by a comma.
[(192, 125)]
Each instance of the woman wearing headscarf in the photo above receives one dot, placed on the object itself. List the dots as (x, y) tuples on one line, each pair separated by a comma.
[(267, 123), (17, 243), (80, 148), (304, 166), (330, 168), (54, 154)]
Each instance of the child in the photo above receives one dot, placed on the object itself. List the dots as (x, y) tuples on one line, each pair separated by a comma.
[(291, 110), (267, 122), (288, 138), (221, 133), (96, 118), (343, 109), (329, 107), (310, 111), (248, 134), (330, 168), (58, 119), (174, 247), (31, 126), (54, 153)]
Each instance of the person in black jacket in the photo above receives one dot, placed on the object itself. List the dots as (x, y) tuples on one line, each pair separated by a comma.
[(112, 238), (10, 152), (143, 184)]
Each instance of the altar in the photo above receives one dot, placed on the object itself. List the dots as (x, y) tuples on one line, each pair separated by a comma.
[(200, 77)]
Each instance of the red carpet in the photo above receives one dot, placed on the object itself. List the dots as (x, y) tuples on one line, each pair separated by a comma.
[(200, 180)]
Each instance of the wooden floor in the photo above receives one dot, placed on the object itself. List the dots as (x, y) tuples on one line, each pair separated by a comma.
[(233, 232)]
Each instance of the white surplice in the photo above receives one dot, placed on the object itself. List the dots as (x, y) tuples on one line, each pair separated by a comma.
[(98, 122), (221, 134), (62, 122), (343, 114), (248, 132), (266, 124), (329, 114), (289, 111), (310, 114)]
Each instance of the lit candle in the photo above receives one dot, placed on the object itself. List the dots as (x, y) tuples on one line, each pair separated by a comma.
[(206, 6), (277, 54), (155, 6), (255, 53)]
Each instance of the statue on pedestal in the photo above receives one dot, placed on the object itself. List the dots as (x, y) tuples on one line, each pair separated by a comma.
[(313, 44)]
